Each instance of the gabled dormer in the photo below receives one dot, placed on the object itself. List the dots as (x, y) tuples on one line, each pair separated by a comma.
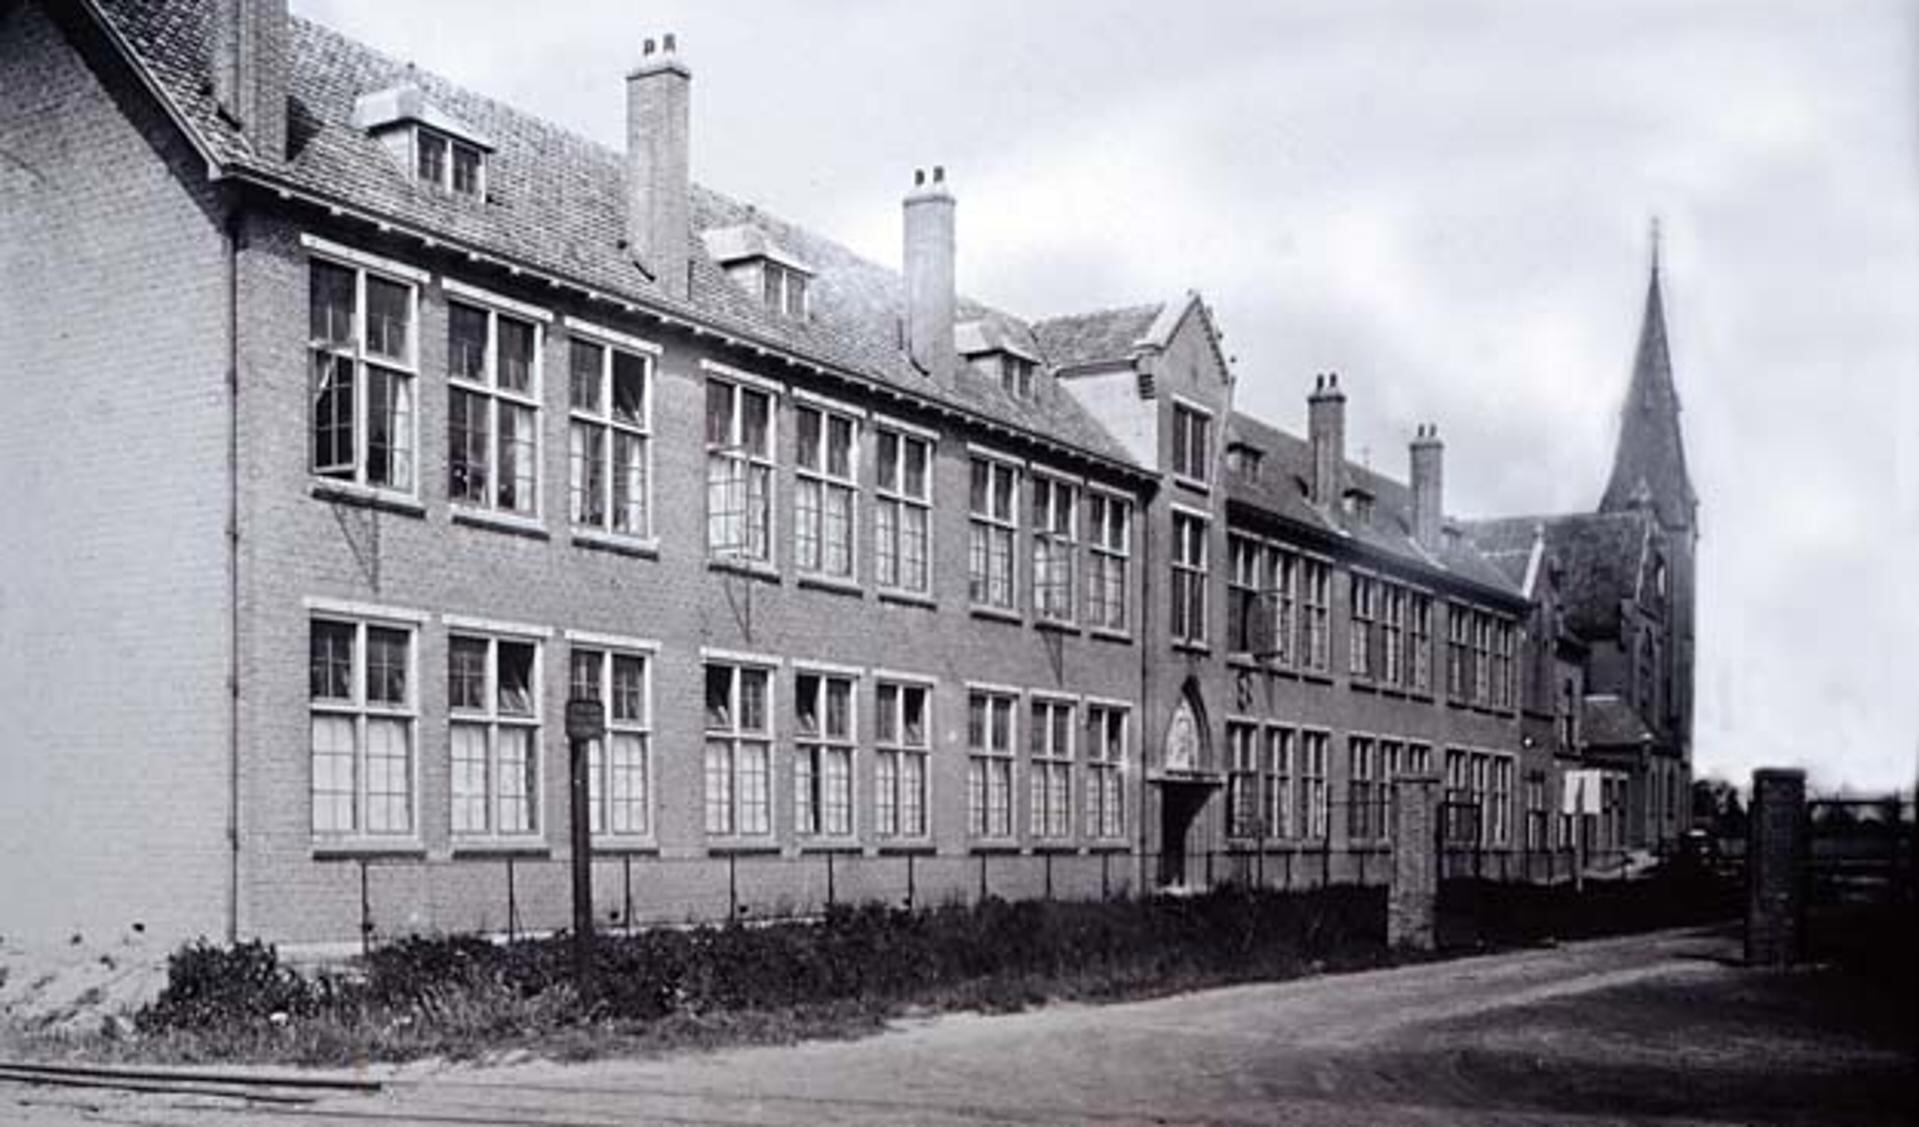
[(441, 153), (770, 273), (998, 354)]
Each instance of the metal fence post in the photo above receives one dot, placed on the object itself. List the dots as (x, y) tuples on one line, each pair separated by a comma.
[(512, 905), (1105, 884), (911, 890), (829, 879), (366, 914), (732, 887), (626, 879), (1048, 859), (1209, 868), (982, 878)]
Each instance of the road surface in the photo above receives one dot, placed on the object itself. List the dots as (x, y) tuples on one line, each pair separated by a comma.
[(1636, 1030)]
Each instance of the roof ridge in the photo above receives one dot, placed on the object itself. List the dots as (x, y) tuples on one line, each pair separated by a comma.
[(1105, 311)]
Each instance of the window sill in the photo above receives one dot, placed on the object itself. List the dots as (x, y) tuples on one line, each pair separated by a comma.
[(352, 493), (1107, 634), (1360, 685), (1053, 848), (646, 548), (367, 848), (830, 847), (740, 848), (832, 584), (512, 523), (906, 598), (752, 569), (1055, 625), (626, 845), (997, 614), (997, 847), (1192, 483), (1107, 846), (912, 848), (1316, 678), (1200, 649), (502, 847)]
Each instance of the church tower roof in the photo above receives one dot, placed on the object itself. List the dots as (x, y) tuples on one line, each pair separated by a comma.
[(1649, 465)]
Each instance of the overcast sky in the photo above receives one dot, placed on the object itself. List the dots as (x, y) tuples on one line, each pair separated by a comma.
[(1450, 210)]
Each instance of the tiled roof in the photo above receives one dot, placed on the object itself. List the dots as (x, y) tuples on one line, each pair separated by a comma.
[(1607, 721), (1090, 338), (556, 203), (1280, 489), (1599, 557)]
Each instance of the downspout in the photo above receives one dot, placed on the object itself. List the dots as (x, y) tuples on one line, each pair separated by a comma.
[(233, 236)]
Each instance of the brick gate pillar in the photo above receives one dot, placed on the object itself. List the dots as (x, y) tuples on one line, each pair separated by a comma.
[(1776, 868), (1412, 899)]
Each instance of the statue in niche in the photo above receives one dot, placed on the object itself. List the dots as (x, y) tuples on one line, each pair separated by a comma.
[(1182, 740)]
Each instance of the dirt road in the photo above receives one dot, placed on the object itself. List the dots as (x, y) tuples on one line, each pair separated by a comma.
[(1644, 1029)]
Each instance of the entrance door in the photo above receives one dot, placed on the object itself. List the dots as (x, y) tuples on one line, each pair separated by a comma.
[(1179, 804)]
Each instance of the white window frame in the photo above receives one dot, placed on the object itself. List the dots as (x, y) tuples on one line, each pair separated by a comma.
[(891, 756), (1313, 751), (1365, 780), (361, 712), (1315, 614), (989, 767), (755, 546), (1244, 750), (1049, 769), (812, 753), (1188, 415), (818, 476), (1055, 545), (488, 390), (356, 352), (1109, 547), (894, 503), (1106, 760), (734, 740), (492, 721), (1186, 623), (783, 288), (605, 427), (602, 795), (451, 145), (1362, 621), (993, 534), (1279, 750)]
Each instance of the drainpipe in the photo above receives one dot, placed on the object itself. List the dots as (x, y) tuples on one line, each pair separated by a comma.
[(233, 236)]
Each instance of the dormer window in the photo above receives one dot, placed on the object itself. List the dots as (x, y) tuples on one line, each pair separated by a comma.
[(447, 164), (784, 289), (1359, 503), (1243, 459), (1016, 375), (443, 153)]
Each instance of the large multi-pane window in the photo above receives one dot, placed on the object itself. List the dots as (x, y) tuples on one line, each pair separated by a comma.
[(493, 695), (1282, 811), (1499, 799), (1312, 783), (823, 762), (1365, 797), (1188, 618), (618, 780), (1109, 544), (1482, 640), (610, 401), (1050, 740), (1460, 824), (364, 359), (1459, 648), (1503, 632), (1242, 779), (1392, 635), (1315, 615), (1192, 443), (739, 471), (989, 767), (362, 723), (1419, 641), (826, 491), (901, 745), (1245, 632), (739, 750), (1283, 570), (493, 409), (1105, 771), (1055, 556), (1365, 616), (902, 511), (992, 501)]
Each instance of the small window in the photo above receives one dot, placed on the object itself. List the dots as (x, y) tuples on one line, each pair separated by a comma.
[(1192, 443), (1016, 375), (448, 165), (784, 289), (1244, 460)]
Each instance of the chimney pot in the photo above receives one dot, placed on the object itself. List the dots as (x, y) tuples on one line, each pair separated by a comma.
[(646, 48), (667, 44), (939, 174), (919, 177)]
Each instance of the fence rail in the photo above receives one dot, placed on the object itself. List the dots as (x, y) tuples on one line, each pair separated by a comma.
[(521, 895)]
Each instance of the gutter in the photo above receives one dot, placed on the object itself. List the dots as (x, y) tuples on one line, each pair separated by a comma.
[(233, 234)]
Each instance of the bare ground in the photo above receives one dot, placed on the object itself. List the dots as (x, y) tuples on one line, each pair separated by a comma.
[(1644, 1029)]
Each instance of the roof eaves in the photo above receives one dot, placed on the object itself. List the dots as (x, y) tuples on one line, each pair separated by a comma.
[(216, 169)]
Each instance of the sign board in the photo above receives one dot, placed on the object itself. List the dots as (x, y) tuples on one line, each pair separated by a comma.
[(585, 719), (1584, 792)]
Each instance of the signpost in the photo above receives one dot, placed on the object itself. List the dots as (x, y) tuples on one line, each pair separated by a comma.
[(585, 723)]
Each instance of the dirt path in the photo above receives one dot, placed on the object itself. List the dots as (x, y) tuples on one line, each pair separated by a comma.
[(1644, 1029)]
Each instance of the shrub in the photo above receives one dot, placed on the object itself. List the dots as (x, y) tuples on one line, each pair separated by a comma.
[(209, 985)]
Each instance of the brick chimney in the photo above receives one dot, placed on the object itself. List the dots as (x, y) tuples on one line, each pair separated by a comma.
[(929, 270), (1326, 430), (1428, 478), (250, 71), (658, 223)]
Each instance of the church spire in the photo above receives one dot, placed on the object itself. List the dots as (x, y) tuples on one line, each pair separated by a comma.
[(1649, 465)]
